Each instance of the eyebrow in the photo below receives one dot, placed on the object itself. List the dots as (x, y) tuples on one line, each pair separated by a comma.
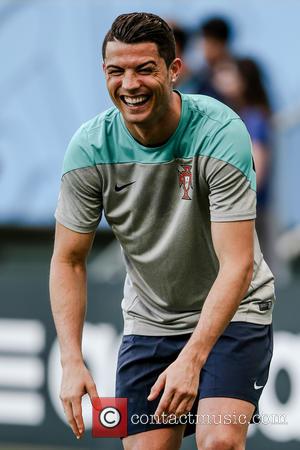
[(140, 66)]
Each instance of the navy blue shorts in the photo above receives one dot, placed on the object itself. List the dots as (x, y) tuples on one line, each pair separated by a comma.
[(237, 367)]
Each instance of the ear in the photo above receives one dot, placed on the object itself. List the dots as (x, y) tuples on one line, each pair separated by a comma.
[(175, 69)]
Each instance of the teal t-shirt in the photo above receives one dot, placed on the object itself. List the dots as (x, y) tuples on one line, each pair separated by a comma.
[(160, 202)]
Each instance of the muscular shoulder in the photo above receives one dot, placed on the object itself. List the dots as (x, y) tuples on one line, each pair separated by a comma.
[(219, 133), (207, 117), (210, 107)]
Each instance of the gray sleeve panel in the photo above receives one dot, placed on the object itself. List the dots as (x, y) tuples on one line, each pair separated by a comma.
[(230, 195), (80, 200)]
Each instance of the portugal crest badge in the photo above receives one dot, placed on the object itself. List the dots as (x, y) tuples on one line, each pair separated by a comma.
[(185, 180)]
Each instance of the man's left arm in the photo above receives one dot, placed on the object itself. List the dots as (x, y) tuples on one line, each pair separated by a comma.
[(233, 243)]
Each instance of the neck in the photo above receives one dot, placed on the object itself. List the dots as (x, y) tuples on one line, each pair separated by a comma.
[(154, 134)]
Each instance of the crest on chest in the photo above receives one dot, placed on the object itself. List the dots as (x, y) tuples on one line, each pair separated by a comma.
[(185, 180)]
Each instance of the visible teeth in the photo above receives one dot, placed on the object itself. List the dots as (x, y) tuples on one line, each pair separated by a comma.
[(135, 100)]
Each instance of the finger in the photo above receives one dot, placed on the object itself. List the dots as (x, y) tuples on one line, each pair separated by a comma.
[(182, 408), (176, 401), (77, 414), (92, 391), (69, 414), (164, 403), (157, 387), (190, 404)]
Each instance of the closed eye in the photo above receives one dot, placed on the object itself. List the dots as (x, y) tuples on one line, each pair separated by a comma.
[(146, 70), (115, 71)]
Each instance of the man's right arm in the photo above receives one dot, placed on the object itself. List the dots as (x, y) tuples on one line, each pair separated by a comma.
[(68, 296)]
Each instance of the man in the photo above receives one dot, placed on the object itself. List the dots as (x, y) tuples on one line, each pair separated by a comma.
[(174, 175), (215, 40)]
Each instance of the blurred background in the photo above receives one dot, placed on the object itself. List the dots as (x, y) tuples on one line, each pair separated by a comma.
[(51, 81)]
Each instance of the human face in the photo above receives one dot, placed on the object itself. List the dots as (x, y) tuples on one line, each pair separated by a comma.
[(229, 82), (139, 82), (213, 50)]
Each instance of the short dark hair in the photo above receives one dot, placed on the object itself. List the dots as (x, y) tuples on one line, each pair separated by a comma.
[(216, 28), (140, 27), (254, 90), (181, 37)]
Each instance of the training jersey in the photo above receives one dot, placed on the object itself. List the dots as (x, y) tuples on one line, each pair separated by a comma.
[(160, 202)]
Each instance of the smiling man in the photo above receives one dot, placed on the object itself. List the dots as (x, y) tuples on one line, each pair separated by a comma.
[(174, 175)]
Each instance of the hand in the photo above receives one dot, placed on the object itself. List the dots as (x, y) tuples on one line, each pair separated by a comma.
[(76, 382), (180, 382)]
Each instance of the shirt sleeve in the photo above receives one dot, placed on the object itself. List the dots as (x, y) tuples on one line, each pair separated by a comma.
[(230, 175), (79, 205)]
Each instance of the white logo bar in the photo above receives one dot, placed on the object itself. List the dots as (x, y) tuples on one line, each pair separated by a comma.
[(21, 408), (24, 336), (22, 372)]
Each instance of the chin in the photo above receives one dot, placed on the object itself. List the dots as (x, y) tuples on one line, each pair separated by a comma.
[(139, 118)]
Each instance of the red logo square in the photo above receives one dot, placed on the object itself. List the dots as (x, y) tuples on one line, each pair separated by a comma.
[(109, 417)]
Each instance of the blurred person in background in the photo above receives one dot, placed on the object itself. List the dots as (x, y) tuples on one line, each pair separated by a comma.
[(241, 86), (216, 34), (186, 82)]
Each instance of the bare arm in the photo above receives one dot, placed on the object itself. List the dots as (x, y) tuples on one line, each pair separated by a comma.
[(68, 302), (233, 243)]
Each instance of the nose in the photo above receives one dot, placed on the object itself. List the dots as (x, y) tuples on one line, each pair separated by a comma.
[(130, 81)]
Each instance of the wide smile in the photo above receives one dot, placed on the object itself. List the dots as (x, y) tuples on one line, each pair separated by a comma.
[(135, 102)]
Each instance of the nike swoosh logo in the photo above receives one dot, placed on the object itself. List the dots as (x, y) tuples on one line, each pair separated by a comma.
[(120, 188), (256, 387)]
